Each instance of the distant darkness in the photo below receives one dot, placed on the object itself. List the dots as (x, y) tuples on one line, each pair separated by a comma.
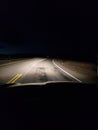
[(47, 28)]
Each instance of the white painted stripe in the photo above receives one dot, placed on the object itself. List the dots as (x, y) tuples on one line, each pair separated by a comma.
[(66, 72)]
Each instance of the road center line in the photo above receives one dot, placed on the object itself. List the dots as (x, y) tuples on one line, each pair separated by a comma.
[(12, 79), (16, 77), (19, 75), (66, 72)]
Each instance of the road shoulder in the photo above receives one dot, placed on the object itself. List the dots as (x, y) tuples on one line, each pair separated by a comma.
[(86, 72)]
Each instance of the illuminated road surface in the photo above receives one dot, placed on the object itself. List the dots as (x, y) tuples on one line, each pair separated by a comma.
[(33, 70)]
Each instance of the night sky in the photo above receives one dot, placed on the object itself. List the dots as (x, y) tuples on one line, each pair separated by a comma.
[(47, 27)]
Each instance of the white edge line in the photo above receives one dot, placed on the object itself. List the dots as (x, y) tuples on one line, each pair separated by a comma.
[(66, 72)]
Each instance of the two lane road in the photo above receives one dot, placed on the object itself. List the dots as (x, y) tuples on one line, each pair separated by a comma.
[(35, 70)]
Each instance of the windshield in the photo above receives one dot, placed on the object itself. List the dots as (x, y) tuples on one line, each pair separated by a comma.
[(51, 43)]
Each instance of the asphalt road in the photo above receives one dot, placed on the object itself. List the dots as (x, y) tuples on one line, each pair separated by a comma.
[(35, 70)]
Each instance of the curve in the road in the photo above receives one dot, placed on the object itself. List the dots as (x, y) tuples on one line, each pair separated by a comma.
[(66, 72)]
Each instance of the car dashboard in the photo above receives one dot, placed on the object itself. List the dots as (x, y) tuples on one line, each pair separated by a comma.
[(49, 106)]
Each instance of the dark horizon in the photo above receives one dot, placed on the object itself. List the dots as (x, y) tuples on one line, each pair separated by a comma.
[(47, 28)]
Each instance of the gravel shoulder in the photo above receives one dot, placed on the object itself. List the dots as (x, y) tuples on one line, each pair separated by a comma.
[(85, 71)]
